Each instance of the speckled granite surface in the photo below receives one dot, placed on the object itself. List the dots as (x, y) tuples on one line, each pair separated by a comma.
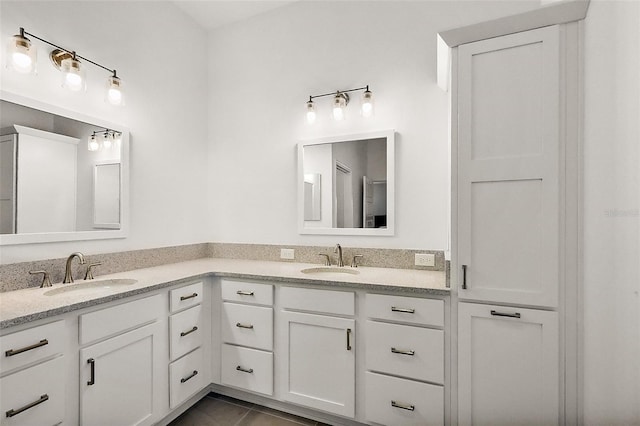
[(23, 306)]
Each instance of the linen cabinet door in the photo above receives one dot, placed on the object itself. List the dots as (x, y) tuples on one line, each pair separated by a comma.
[(508, 168), (507, 366)]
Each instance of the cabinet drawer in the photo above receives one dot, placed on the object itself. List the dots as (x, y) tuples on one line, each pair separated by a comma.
[(325, 301), (110, 321), (185, 331), (31, 345), (406, 351), (186, 297), (247, 325), (248, 369), (186, 377), (406, 309), (39, 390), (396, 402), (241, 291)]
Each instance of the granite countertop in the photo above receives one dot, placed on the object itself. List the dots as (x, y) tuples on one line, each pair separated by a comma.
[(23, 306)]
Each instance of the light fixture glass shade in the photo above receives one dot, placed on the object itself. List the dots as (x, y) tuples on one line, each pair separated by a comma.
[(339, 104), (117, 139), (367, 104), (311, 112), (21, 55), (107, 140), (73, 77), (114, 94), (92, 143)]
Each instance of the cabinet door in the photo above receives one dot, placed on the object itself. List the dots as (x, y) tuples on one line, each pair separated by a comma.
[(120, 390), (508, 168), (320, 362), (507, 366)]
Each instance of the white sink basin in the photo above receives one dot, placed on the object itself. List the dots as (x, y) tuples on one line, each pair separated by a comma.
[(329, 270), (91, 285)]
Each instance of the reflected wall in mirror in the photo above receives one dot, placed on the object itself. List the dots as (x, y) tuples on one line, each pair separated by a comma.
[(52, 188), (356, 195)]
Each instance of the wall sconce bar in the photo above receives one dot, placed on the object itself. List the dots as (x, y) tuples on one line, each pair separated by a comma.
[(104, 138), (340, 101)]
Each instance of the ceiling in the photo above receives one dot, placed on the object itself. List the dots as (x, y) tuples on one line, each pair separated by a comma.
[(211, 14)]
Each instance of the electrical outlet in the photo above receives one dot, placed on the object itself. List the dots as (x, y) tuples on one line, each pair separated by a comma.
[(288, 254), (425, 259)]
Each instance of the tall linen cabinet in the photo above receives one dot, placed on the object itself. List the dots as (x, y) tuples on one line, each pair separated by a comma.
[(515, 193)]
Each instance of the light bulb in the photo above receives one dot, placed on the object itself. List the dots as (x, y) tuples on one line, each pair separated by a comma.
[(93, 144), (72, 74), (339, 104), (21, 54), (114, 90), (367, 103), (117, 139), (311, 112), (106, 140)]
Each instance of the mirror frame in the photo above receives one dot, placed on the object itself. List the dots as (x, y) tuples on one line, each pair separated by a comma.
[(50, 237), (389, 135)]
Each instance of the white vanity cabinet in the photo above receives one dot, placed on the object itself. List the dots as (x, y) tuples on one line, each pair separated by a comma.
[(33, 376), (118, 375), (320, 348)]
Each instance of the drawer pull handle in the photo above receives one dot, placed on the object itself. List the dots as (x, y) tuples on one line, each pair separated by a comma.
[(464, 277), (13, 412), (92, 363), (241, 325), (348, 339), (189, 377), (244, 293), (186, 333), (503, 314), (403, 406), (403, 310), (12, 352), (402, 352), (245, 370), (191, 296)]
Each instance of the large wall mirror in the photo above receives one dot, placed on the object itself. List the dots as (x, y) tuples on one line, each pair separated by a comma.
[(52, 186), (346, 184)]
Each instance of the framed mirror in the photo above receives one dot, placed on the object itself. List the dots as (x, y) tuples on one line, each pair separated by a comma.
[(346, 184), (54, 184)]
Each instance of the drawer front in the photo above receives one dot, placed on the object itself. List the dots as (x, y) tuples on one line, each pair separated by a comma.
[(187, 376), (406, 309), (39, 391), (398, 402), (186, 297), (325, 301), (248, 369), (185, 331), (247, 325), (116, 319), (241, 291), (406, 351), (31, 345)]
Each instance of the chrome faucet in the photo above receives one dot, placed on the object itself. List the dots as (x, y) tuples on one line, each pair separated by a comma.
[(338, 250), (68, 278)]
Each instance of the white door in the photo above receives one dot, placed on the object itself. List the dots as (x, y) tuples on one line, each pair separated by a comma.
[(368, 220), (507, 366), (343, 197), (320, 354), (117, 379), (508, 169)]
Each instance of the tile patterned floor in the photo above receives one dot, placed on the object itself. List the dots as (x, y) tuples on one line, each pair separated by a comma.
[(219, 410)]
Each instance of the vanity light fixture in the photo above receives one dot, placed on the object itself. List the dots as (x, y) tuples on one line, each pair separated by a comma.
[(340, 102), (104, 139), (22, 55)]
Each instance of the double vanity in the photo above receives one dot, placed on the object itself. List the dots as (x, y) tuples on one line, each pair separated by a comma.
[(341, 345)]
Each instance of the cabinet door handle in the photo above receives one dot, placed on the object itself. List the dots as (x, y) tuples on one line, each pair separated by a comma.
[(408, 407), (244, 370), (241, 325), (348, 339), (13, 412), (403, 352), (191, 296), (403, 310), (464, 277), (186, 333), (244, 293), (189, 377), (12, 352), (92, 363), (504, 314)]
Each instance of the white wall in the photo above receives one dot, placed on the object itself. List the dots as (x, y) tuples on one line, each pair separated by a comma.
[(161, 56), (612, 213), (262, 72)]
